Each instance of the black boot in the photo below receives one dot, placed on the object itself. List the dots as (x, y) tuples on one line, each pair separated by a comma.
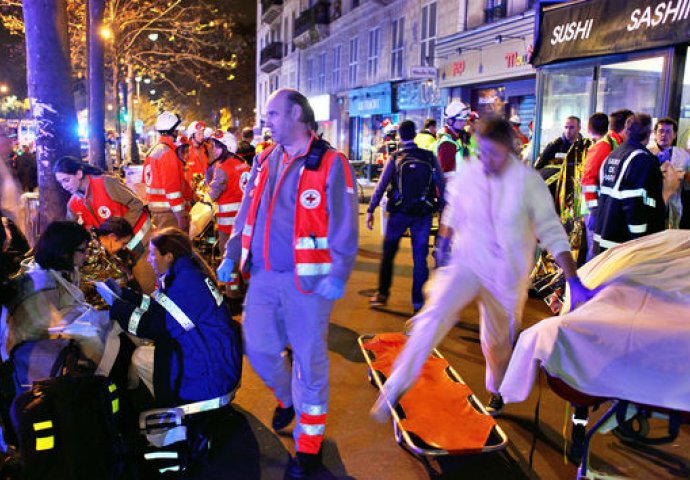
[(282, 417)]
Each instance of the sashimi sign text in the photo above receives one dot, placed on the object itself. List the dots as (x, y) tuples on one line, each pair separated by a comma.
[(602, 27)]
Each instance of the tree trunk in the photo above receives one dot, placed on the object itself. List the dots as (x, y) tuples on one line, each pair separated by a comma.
[(117, 110), (132, 147), (49, 79), (96, 78)]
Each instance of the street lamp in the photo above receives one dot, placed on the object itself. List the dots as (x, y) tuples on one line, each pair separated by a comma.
[(4, 89), (106, 32), (153, 37)]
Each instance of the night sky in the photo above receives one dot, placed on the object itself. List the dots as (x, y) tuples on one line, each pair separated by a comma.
[(13, 70)]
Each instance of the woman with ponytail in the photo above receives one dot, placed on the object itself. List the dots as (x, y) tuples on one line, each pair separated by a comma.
[(198, 348), (96, 197)]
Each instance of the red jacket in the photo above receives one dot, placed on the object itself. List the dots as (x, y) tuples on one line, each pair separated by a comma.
[(96, 206), (237, 173), (166, 187), (197, 163), (593, 161)]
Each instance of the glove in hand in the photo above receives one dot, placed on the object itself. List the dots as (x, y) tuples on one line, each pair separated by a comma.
[(442, 251), (580, 294), (224, 271), (331, 288)]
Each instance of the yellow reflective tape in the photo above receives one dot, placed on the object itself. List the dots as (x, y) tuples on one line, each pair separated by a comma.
[(43, 425), (116, 405), (112, 387), (45, 443)]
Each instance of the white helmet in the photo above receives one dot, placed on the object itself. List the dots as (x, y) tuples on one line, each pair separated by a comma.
[(457, 109), (208, 132), (195, 127), (167, 121), (515, 120)]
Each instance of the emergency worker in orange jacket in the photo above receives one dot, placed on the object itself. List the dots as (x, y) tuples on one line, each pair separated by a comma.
[(230, 177), (296, 233), (97, 197), (166, 187), (199, 151)]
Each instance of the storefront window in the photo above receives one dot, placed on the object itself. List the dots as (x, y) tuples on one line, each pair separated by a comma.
[(566, 93), (635, 85), (684, 117)]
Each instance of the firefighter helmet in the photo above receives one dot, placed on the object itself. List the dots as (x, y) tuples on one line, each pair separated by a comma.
[(195, 127), (457, 110), (167, 121)]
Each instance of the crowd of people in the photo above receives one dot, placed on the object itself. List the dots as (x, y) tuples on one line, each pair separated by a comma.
[(286, 218)]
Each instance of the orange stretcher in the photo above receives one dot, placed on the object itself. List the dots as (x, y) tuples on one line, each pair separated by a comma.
[(439, 415)]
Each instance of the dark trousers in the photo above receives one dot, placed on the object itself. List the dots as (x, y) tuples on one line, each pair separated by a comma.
[(419, 226)]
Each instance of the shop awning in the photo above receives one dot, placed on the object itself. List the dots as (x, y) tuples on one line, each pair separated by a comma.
[(590, 28)]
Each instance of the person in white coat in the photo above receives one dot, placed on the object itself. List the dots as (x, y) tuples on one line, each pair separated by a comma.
[(496, 208)]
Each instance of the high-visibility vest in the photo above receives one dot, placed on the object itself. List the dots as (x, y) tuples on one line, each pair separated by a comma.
[(310, 240), (444, 136), (237, 173), (166, 187), (96, 206)]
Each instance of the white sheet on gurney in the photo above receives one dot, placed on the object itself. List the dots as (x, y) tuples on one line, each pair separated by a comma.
[(632, 341)]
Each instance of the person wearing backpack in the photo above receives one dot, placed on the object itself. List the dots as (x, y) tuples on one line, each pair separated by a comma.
[(414, 183)]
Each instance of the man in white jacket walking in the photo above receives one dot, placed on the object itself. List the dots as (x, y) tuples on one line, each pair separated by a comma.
[(496, 208)]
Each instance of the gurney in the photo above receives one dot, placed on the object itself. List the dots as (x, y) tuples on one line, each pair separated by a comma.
[(627, 347), (439, 415)]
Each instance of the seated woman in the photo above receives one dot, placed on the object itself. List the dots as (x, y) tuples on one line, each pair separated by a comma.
[(197, 354), (46, 297)]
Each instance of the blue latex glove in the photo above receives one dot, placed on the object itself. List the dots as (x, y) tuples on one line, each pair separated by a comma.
[(580, 294), (108, 295), (442, 251), (331, 288), (224, 271)]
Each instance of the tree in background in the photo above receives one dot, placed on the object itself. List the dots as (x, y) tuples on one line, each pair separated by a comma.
[(52, 103)]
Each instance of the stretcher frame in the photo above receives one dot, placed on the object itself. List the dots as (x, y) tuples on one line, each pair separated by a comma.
[(618, 411), (402, 436)]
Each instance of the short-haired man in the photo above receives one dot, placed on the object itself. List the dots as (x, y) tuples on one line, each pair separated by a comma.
[(414, 182), (619, 121), (675, 166), (631, 204), (245, 149), (555, 151), (426, 138), (296, 232)]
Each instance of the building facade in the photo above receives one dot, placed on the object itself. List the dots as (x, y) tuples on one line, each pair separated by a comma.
[(364, 62)]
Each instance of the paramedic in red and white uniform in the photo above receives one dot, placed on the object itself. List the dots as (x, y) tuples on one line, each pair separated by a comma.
[(96, 197), (296, 233), (230, 177), (164, 176)]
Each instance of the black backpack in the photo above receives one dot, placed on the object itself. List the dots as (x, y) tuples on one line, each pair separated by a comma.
[(67, 429), (29, 362), (414, 193)]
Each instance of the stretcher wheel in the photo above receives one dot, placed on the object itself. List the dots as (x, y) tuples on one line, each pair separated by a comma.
[(634, 429)]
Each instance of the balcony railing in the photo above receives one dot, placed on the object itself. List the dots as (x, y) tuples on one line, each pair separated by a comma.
[(270, 10), (271, 56), (312, 24), (494, 13)]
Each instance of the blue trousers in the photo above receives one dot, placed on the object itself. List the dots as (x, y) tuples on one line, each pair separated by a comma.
[(419, 226)]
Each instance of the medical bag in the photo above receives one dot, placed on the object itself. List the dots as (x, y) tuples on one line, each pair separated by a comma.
[(67, 429)]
